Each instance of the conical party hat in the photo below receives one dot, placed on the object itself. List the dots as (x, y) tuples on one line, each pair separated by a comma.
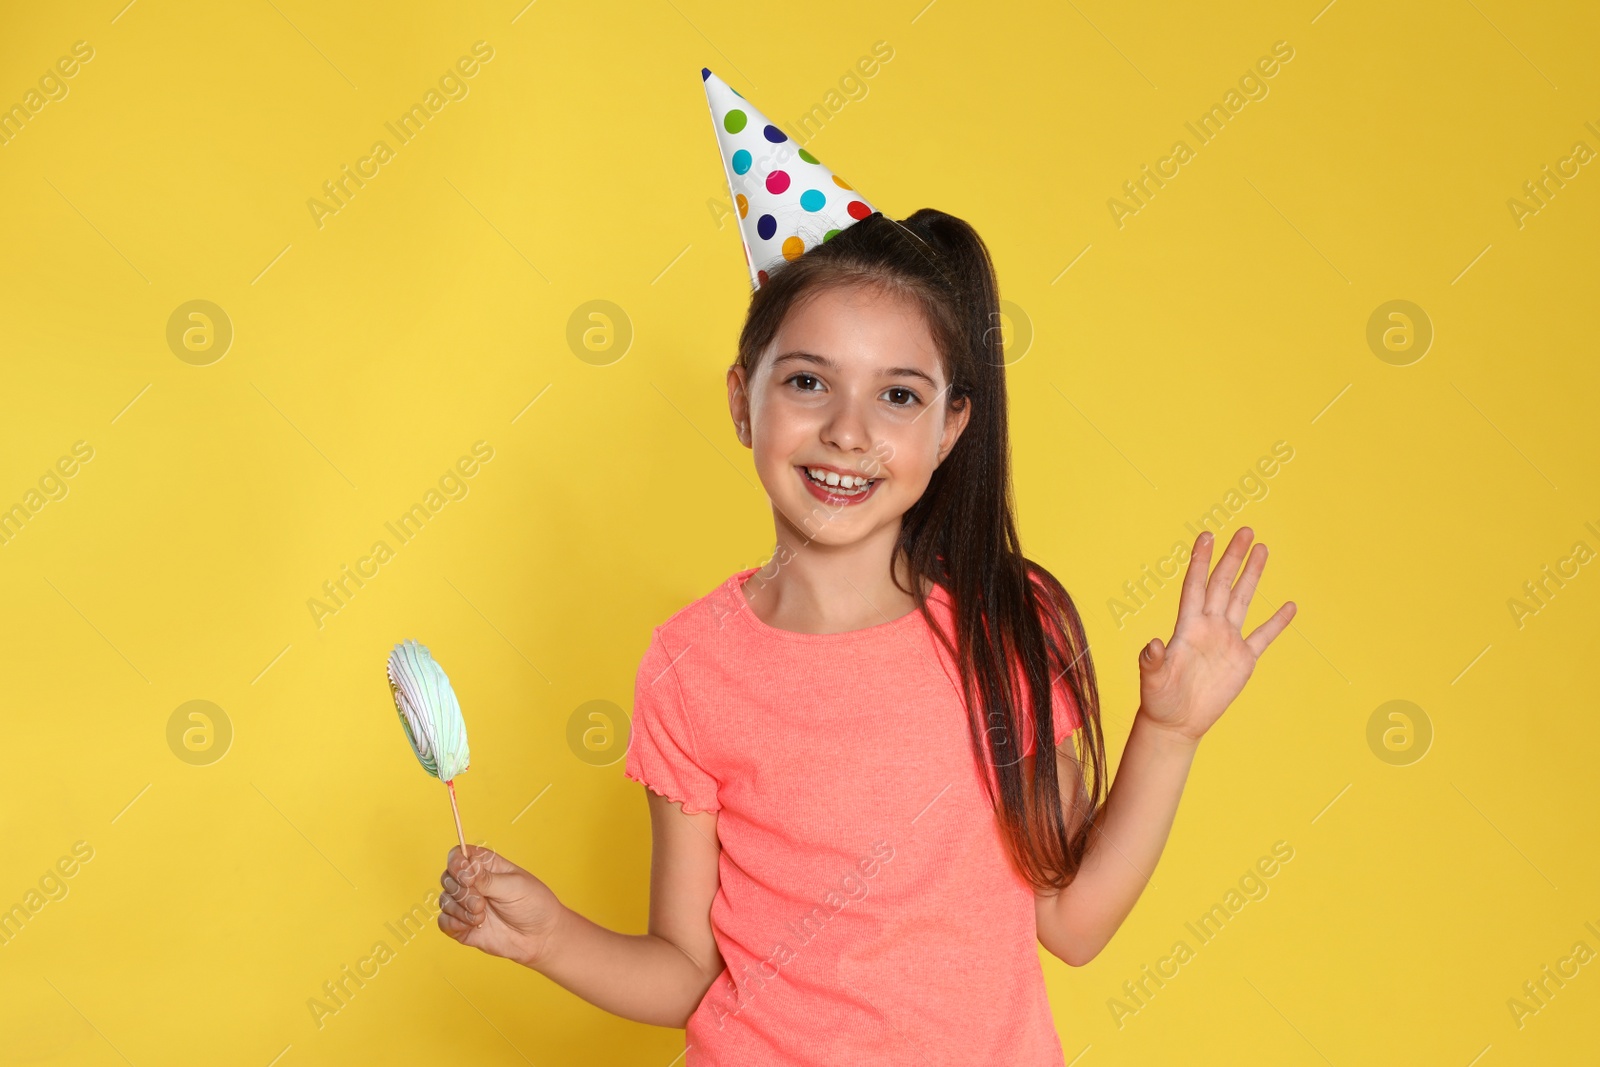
[(788, 202)]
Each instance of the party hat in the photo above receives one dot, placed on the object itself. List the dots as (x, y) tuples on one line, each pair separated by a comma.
[(788, 202)]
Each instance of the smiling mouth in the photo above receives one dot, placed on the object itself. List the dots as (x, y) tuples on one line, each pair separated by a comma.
[(833, 487)]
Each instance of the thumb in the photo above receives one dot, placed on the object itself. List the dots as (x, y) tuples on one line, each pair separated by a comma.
[(1153, 656)]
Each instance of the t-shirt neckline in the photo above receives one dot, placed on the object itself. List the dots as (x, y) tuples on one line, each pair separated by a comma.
[(735, 589)]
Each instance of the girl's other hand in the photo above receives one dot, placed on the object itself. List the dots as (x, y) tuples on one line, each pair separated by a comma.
[(492, 904), (1186, 685)]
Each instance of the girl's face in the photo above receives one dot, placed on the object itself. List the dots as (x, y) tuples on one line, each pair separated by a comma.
[(852, 384)]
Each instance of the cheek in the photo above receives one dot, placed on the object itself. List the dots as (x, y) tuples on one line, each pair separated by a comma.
[(908, 450), (782, 429), (774, 446), (772, 437)]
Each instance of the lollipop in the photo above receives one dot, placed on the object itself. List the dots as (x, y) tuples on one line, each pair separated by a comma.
[(431, 717)]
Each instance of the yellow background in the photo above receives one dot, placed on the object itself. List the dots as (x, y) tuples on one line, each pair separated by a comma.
[(368, 354)]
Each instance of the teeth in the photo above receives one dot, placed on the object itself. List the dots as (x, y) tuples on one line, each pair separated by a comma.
[(833, 478)]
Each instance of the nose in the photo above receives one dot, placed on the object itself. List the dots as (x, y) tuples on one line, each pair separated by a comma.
[(848, 426)]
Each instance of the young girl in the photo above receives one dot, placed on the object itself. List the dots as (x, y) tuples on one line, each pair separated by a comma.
[(855, 850)]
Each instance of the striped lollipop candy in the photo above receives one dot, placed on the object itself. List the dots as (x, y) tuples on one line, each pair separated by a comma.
[(431, 716)]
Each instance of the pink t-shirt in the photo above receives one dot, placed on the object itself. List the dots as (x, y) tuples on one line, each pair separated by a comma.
[(867, 911)]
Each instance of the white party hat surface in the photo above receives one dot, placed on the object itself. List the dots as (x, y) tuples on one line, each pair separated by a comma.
[(787, 201)]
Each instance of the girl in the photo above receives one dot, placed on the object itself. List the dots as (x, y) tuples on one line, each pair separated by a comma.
[(854, 848)]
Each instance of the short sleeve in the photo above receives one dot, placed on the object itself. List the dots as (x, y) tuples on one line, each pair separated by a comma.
[(661, 746)]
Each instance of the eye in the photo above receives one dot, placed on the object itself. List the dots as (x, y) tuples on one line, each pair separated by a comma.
[(797, 376), (914, 398)]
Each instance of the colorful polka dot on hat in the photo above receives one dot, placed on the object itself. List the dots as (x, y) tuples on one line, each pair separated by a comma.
[(788, 202)]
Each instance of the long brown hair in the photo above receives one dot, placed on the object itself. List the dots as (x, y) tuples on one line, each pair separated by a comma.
[(1009, 612)]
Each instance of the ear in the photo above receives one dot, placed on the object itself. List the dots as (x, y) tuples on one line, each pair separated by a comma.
[(956, 417), (739, 404)]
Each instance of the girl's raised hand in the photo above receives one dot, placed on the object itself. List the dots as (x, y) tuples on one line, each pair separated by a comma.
[(492, 904), (1187, 684)]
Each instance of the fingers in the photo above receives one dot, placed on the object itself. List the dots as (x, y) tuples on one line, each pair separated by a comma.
[(1221, 582), (479, 859), (455, 860), (450, 904), (462, 906), (461, 897), (1239, 601), (466, 908), (477, 870), (456, 889), (1154, 654), (1190, 600), (453, 926), (1262, 635)]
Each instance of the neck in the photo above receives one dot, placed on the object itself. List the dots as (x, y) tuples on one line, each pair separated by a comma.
[(813, 587)]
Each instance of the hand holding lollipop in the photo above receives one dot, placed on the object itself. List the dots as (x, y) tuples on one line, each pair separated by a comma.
[(488, 901)]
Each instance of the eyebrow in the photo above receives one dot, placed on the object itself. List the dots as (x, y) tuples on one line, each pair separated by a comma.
[(824, 361)]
